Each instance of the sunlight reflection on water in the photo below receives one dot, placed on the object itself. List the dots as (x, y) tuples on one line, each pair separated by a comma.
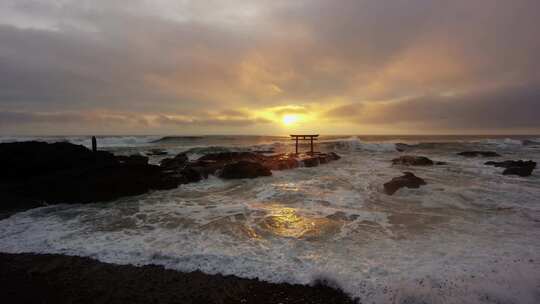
[(287, 222)]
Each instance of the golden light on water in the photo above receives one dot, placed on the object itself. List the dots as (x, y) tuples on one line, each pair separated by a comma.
[(287, 222)]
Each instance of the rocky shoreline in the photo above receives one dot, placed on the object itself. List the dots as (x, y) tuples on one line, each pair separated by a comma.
[(38, 173), (49, 278)]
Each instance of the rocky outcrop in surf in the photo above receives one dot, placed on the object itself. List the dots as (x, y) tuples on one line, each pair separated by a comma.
[(409, 160), (408, 180), (244, 169), (39, 173), (247, 164), (479, 153), (179, 161), (515, 167)]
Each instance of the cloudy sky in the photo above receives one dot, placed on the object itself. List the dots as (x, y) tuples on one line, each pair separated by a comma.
[(269, 67)]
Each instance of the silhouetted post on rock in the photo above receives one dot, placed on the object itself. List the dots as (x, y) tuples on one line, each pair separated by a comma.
[(94, 144)]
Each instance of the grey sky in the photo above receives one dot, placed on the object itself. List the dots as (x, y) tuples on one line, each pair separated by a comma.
[(367, 66)]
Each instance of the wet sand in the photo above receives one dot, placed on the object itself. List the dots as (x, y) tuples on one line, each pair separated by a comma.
[(47, 278)]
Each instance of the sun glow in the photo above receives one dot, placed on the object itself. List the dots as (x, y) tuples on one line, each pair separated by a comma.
[(290, 119)]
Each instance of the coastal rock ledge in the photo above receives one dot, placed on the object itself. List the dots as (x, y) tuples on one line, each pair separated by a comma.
[(38, 173), (408, 179), (515, 167)]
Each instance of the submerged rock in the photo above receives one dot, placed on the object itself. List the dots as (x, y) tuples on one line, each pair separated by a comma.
[(409, 160), (244, 169), (515, 167), (479, 153), (408, 180)]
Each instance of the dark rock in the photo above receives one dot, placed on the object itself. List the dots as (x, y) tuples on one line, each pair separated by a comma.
[(515, 167), (230, 157), (133, 160), (441, 163), (409, 160), (521, 171), (479, 153), (177, 162), (211, 163), (281, 162), (244, 169), (36, 173), (408, 180), (190, 175), (511, 163), (311, 161)]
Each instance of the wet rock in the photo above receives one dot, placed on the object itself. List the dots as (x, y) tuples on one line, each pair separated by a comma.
[(521, 171), (311, 161), (212, 163), (230, 157), (177, 162), (479, 153), (408, 180), (190, 175), (515, 167), (409, 160), (281, 162), (244, 169)]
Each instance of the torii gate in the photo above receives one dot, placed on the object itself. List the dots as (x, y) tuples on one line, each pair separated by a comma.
[(311, 138)]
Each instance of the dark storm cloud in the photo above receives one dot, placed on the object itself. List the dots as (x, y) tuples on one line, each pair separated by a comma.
[(152, 57), (515, 107)]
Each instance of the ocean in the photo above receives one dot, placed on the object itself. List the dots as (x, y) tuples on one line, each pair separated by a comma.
[(471, 235)]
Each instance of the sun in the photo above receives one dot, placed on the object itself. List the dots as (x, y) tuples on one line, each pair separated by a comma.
[(290, 119)]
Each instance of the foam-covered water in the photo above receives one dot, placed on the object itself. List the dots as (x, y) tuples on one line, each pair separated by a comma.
[(471, 235)]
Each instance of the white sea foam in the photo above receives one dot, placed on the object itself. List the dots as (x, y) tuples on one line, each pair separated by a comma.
[(470, 236)]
